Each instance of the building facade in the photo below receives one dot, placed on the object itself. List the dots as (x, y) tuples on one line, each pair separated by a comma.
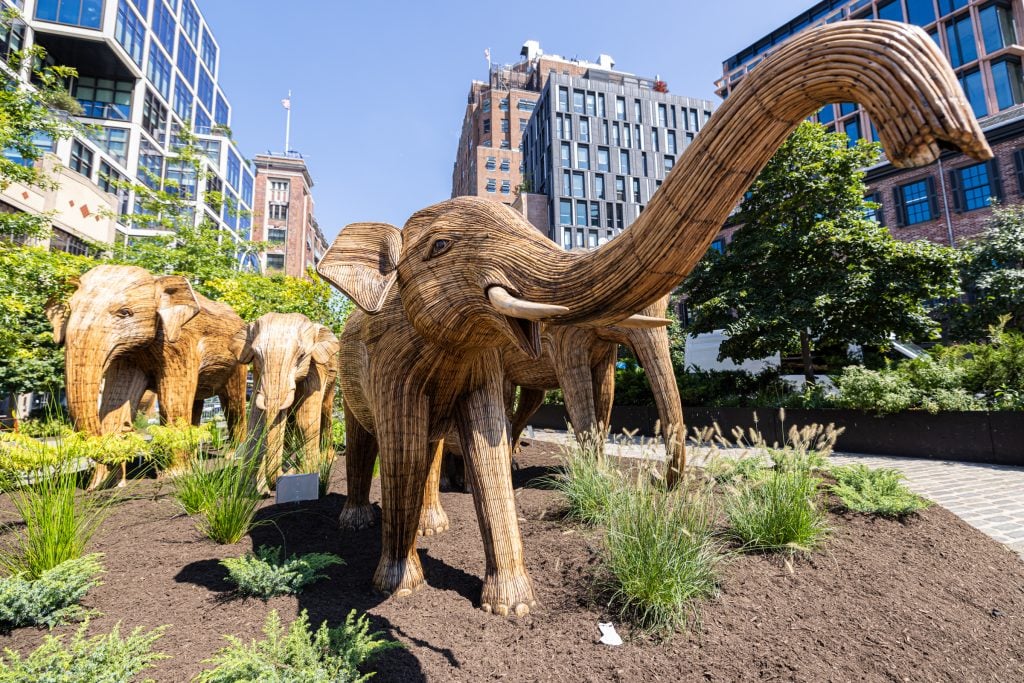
[(145, 69), (949, 201), (283, 215), (597, 147)]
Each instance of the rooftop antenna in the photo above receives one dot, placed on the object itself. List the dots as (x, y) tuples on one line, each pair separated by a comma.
[(287, 104)]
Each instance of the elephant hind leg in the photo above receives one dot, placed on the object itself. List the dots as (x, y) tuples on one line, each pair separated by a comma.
[(529, 401), (360, 454), (433, 518)]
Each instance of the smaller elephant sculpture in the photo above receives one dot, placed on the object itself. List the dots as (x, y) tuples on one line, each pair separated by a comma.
[(126, 332), (295, 363)]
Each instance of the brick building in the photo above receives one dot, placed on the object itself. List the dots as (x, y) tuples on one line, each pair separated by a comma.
[(947, 202), (283, 215)]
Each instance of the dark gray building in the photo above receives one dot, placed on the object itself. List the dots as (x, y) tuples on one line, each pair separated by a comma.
[(598, 146)]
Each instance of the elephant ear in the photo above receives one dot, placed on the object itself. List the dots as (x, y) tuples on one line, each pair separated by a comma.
[(326, 347), (240, 344), (363, 263), (176, 304)]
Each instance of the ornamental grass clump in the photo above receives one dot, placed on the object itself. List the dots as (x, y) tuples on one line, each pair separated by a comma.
[(661, 554), (777, 512), (586, 481), (299, 655), (51, 599), (875, 491), (267, 573), (228, 501), (106, 658)]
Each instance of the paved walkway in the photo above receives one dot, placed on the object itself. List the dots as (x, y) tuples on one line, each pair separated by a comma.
[(988, 497)]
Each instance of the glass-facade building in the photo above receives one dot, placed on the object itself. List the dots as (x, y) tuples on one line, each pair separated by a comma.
[(145, 69), (599, 145)]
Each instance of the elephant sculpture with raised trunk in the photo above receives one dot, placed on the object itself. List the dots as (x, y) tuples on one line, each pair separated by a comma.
[(467, 278)]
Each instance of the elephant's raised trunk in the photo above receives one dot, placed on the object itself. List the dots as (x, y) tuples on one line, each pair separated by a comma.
[(83, 390), (894, 70)]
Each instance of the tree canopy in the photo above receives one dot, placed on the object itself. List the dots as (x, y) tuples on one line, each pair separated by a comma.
[(809, 267)]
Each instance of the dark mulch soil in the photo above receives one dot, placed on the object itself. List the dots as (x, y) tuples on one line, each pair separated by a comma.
[(929, 599)]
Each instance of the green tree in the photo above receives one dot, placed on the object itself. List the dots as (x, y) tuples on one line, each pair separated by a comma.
[(28, 113), (993, 273), (253, 295), (809, 268)]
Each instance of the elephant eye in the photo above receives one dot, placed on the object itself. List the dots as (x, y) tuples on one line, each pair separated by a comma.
[(124, 313), (440, 246)]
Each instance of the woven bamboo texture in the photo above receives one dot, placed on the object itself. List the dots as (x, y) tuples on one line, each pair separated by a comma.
[(126, 332), (424, 354), (295, 370)]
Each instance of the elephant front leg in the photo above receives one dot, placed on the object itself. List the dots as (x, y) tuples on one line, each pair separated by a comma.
[(402, 432), (232, 400), (433, 518), (360, 454), (483, 430), (123, 389)]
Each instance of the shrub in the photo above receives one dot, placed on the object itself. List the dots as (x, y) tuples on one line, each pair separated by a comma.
[(198, 485), (875, 491), (298, 655), (57, 526), (175, 446), (49, 427), (229, 499), (881, 392), (267, 573), (725, 469), (107, 658), (51, 599), (660, 554), (778, 511), (586, 481)]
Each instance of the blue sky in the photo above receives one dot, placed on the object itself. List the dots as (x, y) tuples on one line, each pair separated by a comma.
[(379, 87)]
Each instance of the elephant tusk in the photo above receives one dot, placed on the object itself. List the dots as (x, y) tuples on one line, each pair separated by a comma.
[(513, 307), (644, 321)]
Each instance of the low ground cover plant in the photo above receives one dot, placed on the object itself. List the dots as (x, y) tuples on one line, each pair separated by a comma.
[(105, 658), (51, 599), (875, 491), (267, 572), (299, 654)]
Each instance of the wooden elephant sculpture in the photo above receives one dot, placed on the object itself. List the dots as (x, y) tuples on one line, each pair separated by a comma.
[(295, 367), (469, 277), (126, 331)]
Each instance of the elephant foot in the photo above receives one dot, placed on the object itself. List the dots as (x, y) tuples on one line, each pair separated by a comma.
[(357, 517), (102, 478), (508, 594), (399, 577), (433, 520)]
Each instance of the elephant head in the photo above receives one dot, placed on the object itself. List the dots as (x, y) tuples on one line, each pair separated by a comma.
[(473, 273), (281, 347), (115, 310)]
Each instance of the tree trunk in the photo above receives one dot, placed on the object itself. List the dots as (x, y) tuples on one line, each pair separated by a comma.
[(805, 355)]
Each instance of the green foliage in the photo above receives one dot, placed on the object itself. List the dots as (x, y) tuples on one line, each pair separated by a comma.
[(41, 429), (106, 658), (881, 392), (731, 388), (268, 573), (226, 500), (875, 491), (51, 599), (661, 554), (778, 511), (586, 481), (835, 276), (726, 470), (993, 274), (299, 656), (57, 523), (254, 295), (178, 444)]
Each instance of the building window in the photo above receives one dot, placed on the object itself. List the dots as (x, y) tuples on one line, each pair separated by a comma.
[(12, 38), (1006, 77), (655, 140), (222, 113), (565, 212), (616, 135), (278, 212), (974, 186), (581, 214), (618, 216), (186, 59), (163, 24), (662, 116), (487, 126), (718, 245), (600, 105), (624, 161), (636, 190), (602, 159), (491, 185), (213, 195), (490, 163), (159, 70), (81, 159), (108, 180), (891, 11), (154, 116), (204, 89), (485, 106), (522, 124), (130, 32), (670, 142), (916, 202), (599, 187), (526, 105), (104, 98), (852, 130), (113, 140), (670, 161), (975, 91), (960, 40), (85, 13), (627, 139), (190, 21), (183, 101), (151, 165), (277, 235), (563, 99), (566, 155), (234, 169), (577, 102), (583, 156), (578, 180), (920, 12), (504, 125), (997, 27), (620, 108), (182, 179), (247, 188), (275, 261), (584, 130), (620, 189), (567, 183), (505, 165), (209, 53), (506, 186), (591, 104), (873, 208), (279, 191), (595, 215)]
